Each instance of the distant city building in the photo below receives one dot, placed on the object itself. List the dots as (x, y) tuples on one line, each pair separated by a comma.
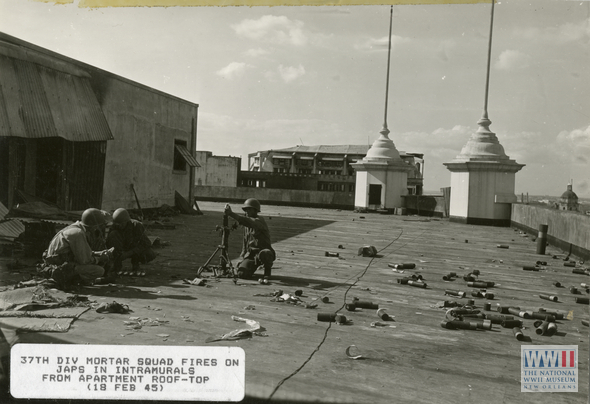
[(328, 160), (217, 171), (569, 200)]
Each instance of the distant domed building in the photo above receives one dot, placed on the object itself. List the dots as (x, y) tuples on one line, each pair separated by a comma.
[(569, 200)]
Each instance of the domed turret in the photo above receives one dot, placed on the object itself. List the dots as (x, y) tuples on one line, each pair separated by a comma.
[(569, 199)]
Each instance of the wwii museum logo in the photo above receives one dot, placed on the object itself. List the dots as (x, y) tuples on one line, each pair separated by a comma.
[(549, 368)]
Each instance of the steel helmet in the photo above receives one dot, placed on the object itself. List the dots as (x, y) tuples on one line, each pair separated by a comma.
[(252, 203), (93, 217), (121, 217)]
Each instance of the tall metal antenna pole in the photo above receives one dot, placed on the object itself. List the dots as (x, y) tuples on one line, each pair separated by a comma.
[(387, 81), (485, 104)]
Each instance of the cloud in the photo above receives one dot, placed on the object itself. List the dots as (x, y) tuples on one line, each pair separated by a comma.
[(291, 73), (256, 52), (512, 60), (575, 144), (274, 29), (381, 43), (568, 32), (233, 70)]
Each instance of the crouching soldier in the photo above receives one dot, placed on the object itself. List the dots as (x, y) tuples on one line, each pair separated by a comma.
[(127, 236), (69, 259), (256, 248)]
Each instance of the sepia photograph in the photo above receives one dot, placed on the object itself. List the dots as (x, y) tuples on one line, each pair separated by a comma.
[(320, 202)]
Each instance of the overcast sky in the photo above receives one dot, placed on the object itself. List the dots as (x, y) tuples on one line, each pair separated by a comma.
[(276, 77)]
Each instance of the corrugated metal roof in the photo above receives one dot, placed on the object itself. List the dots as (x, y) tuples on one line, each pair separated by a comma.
[(3, 211), (187, 156), (40, 102), (11, 229)]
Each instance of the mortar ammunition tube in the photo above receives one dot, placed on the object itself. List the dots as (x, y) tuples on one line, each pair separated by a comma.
[(403, 281), (453, 274), (551, 328), (471, 302), (363, 304), (517, 312), (542, 239), (383, 315), (484, 324), (417, 284), (574, 290), (529, 268), (469, 278), (549, 297), (475, 315), (476, 293), (541, 316), (487, 306), (518, 333), (585, 285), (579, 271), (582, 300), (498, 318), (488, 295), (350, 307), (542, 329), (541, 262), (557, 284), (511, 323), (537, 323), (340, 319), (475, 272), (480, 284), (585, 322), (446, 278), (327, 317), (454, 293), (504, 309), (464, 311), (502, 246), (331, 254), (569, 264), (462, 325)]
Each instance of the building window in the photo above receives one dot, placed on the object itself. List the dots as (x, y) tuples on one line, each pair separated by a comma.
[(179, 161), (350, 187), (342, 187)]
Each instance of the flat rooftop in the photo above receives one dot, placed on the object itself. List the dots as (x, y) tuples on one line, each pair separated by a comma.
[(298, 359)]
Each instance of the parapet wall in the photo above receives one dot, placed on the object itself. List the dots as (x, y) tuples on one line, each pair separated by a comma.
[(566, 229), (273, 196)]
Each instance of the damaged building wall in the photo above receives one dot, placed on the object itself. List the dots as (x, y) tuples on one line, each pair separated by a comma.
[(147, 125), (78, 136)]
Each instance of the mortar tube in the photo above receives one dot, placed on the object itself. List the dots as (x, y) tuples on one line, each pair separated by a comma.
[(582, 300), (408, 265), (549, 297), (579, 271), (503, 246), (331, 254), (475, 315), (542, 329), (511, 323), (464, 311), (518, 333), (585, 322), (569, 264), (558, 314), (529, 268), (504, 309), (542, 239), (383, 315), (551, 328)]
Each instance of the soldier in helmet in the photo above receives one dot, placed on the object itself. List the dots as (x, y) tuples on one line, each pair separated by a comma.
[(256, 249), (70, 256), (129, 240)]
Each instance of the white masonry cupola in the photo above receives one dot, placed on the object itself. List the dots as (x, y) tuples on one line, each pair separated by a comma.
[(482, 176), (382, 175)]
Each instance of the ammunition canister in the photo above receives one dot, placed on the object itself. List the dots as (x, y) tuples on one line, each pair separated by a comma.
[(518, 333), (511, 323), (542, 329), (549, 297)]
